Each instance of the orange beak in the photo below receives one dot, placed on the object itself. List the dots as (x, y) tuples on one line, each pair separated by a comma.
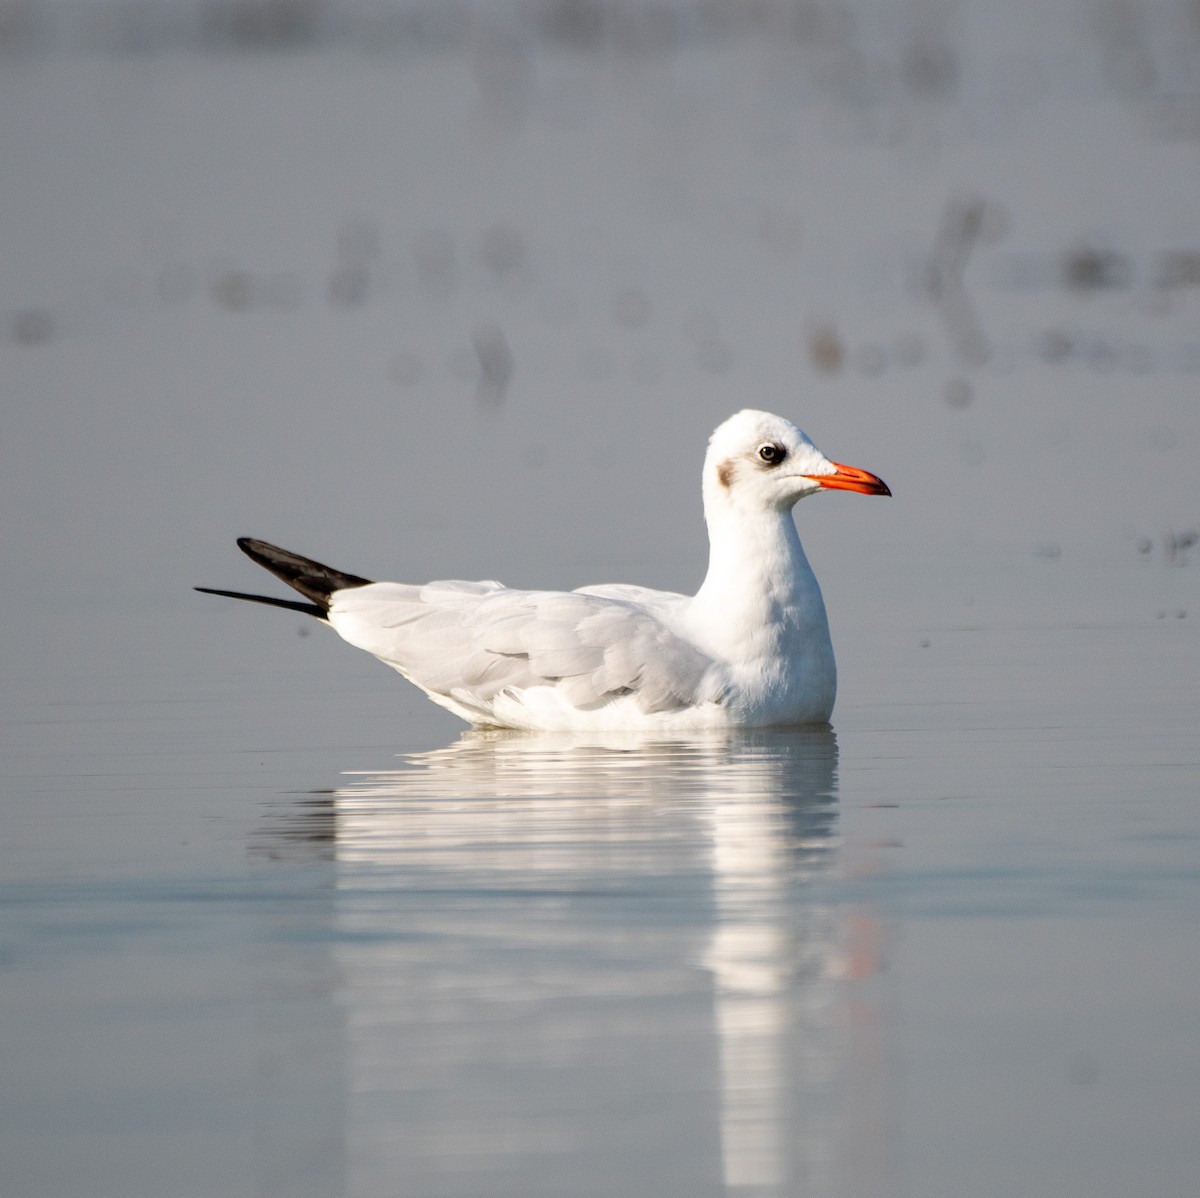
[(851, 478)]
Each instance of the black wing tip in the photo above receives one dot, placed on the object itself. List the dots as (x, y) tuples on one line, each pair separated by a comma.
[(309, 609), (262, 552), (252, 545), (313, 579)]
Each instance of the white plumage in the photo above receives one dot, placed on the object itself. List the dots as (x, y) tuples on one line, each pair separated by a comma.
[(481, 649), (750, 649)]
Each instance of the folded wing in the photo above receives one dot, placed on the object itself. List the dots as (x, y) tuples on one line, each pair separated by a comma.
[(472, 641)]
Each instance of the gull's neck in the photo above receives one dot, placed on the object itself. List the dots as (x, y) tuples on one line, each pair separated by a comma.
[(759, 593)]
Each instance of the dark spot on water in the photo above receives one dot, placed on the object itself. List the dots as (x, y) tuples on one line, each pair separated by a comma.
[(260, 24), (579, 24), (959, 394), (966, 222), (930, 69), (1090, 269), (1180, 268), (496, 364), (32, 326), (234, 290), (825, 349), (1176, 545)]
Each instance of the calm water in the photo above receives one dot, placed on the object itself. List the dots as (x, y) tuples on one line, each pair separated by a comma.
[(271, 924), (253, 943)]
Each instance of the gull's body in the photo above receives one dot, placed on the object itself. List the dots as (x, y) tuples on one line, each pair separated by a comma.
[(750, 649)]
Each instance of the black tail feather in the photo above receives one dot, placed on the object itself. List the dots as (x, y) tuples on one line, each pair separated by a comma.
[(313, 580), (309, 609)]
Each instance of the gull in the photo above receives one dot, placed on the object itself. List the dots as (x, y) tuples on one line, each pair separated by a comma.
[(751, 649)]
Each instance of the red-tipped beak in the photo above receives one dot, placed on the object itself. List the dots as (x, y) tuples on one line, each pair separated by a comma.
[(851, 478)]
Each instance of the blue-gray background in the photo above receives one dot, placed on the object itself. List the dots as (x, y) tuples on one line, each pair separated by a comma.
[(460, 290)]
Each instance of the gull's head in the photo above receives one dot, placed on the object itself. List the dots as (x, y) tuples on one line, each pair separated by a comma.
[(757, 461)]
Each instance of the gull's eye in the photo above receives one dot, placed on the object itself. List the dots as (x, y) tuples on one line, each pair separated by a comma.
[(772, 453)]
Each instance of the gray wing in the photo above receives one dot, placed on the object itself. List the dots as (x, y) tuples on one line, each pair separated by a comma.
[(470, 641)]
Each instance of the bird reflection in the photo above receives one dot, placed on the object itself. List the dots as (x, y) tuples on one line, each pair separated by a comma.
[(605, 954)]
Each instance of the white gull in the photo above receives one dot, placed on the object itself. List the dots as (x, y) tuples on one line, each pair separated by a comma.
[(750, 649)]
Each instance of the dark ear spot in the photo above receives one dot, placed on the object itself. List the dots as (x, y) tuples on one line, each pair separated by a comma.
[(725, 473)]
